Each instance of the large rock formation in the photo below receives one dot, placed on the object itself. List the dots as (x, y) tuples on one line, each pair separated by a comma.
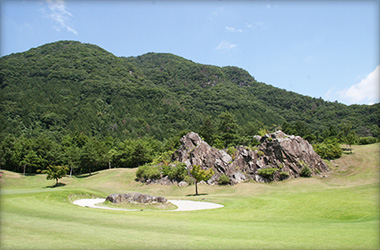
[(194, 151), (284, 155), (135, 197)]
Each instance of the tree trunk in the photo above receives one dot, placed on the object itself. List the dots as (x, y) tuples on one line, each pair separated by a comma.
[(109, 164), (24, 169), (71, 171), (56, 181), (196, 188)]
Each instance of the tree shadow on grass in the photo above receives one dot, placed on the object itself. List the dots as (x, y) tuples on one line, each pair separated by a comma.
[(85, 175), (196, 195), (59, 184)]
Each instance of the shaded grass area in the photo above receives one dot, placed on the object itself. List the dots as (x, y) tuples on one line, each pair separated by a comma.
[(338, 212)]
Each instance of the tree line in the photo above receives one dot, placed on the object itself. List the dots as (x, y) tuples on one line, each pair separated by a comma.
[(82, 153)]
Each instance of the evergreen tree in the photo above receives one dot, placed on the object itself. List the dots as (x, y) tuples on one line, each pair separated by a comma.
[(227, 128), (207, 130)]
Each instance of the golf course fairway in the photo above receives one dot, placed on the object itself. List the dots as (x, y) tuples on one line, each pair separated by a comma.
[(337, 212)]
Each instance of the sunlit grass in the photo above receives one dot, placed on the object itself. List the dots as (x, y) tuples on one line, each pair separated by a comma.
[(338, 212)]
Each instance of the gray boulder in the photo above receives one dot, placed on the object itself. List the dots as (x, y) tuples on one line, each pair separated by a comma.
[(135, 198)]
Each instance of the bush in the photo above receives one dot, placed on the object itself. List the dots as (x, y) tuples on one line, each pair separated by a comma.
[(260, 153), (232, 151), (267, 172), (224, 180), (367, 140), (147, 172), (328, 150), (175, 173), (188, 179), (305, 171)]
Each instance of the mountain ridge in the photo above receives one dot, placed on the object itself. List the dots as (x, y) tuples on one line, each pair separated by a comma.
[(69, 86)]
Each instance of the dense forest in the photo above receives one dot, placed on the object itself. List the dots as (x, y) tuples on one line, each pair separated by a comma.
[(74, 104)]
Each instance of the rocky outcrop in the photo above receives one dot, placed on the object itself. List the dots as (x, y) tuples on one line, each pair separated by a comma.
[(135, 197), (285, 155), (288, 154), (194, 151)]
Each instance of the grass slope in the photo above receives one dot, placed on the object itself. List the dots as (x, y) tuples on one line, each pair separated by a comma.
[(338, 212)]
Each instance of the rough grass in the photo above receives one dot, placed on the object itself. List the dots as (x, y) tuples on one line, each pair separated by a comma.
[(338, 212)]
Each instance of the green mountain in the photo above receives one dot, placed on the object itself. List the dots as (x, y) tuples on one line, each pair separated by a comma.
[(69, 87)]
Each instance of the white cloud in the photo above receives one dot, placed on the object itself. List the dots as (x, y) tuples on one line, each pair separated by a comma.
[(59, 13), (256, 25), (233, 29), (224, 45), (364, 92)]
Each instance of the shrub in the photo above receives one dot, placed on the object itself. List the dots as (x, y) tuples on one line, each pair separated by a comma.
[(267, 172), (147, 172), (305, 171), (260, 153), (232, 151), (224, 180), (188, 179), (367, 140), (328, 150), (175, 173)]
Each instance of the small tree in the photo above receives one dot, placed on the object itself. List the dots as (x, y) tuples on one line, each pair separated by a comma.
[(31, 159), (201, 175), (55, 172), (347, 135)]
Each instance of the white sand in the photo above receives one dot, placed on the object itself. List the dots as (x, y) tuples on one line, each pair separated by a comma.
[(183, 205), (186, 205)]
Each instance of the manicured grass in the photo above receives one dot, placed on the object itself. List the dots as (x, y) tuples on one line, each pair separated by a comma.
[(338, 212)]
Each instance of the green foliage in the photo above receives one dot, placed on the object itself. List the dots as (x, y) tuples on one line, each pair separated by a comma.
[(189, 179), (347, 135), (367, 140), (305, 171), (148, 172), (232, 151), (65, 99), (262, 132), (260, 153), (228, 128), (200, 175), (224, 180), (55, 172), (208, 130), (177, 172), (328, 150), (267, 173)]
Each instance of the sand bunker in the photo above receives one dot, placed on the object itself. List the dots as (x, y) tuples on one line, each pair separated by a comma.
[(183, 205)]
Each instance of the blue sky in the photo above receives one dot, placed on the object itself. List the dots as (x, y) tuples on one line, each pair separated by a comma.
[(327, 49)]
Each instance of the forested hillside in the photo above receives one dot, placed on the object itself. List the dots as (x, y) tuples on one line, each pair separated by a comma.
[(68, 94)]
